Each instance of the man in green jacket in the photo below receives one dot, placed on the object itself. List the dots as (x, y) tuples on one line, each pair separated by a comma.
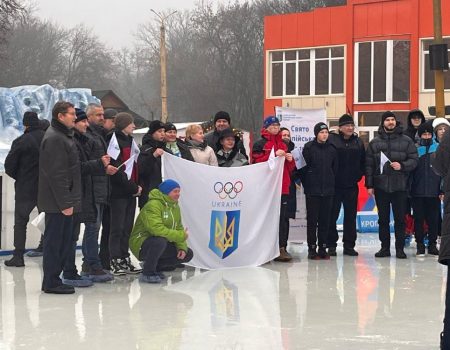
[(158, 237)]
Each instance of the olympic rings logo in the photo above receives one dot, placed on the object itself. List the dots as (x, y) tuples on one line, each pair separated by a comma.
[(228, 189)]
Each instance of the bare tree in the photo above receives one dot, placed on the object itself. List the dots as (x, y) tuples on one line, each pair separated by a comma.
[(10, 11)]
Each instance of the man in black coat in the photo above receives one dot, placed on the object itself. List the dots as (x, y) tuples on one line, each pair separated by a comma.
[(149, 161), (222, 121), (352, 159), (22, 164), (388, 180), (59, 194)]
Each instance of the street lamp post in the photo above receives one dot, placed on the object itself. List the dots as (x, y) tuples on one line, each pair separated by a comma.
[(163, 58)]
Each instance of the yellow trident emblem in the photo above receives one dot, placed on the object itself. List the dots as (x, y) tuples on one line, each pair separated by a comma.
[(224, 236)]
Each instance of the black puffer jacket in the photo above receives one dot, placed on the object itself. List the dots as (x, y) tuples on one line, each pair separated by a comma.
[(398, 148), (321, 168), (212, 139), (441, 165), (22, 164), (411, 131), (424, 181), (59, 171), (97, 149), (149, 167), (89, 169), (352, 159)]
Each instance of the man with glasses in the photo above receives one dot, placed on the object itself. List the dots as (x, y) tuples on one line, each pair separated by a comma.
[(351, 155)]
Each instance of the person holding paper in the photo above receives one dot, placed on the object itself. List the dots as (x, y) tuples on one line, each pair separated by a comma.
[(271, 139), (319, 183), (159, 238), (387, 178), (352, 160), (124, 191)]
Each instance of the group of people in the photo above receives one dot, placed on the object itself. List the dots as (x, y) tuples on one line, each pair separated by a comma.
[(64, 169)]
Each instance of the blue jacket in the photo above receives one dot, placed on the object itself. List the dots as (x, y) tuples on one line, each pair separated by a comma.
[(425, 182)]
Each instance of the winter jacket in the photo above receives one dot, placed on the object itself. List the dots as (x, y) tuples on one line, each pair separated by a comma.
[(441, 165), (321, 168), (89, 169), (202, 153), (121, 187), (160, 217), (98, 148), (212, 139), (292, 196), (233, 159), (397, 148), (352, 160), (183, 148), (261, 153), (149, 167), (411, 131), (59, 171), (22, 164), (424, 181)]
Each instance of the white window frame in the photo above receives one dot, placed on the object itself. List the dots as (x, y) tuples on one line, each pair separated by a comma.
[(312, 71), (422, 63), (389, 72)]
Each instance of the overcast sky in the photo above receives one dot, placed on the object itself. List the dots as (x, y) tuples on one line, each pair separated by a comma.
[(114, 21)]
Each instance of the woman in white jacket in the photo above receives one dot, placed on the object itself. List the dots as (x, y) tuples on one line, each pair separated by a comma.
[(200, 151)]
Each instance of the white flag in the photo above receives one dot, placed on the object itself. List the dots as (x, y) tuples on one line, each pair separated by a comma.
[(300, 161), (235, 219), (383, 161), (134, 154), (135, 150), (113, 147), (271, 159)]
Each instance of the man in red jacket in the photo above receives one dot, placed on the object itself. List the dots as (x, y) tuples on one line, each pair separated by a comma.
[(271, 138)]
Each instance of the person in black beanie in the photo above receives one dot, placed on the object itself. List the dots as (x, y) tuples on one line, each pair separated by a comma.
[(149, 161), (177, 146), (222, 121), (352, 159), (22, 164), (319, 183), (390, 158)]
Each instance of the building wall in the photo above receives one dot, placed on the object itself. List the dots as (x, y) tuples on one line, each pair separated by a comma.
[(358, 21)]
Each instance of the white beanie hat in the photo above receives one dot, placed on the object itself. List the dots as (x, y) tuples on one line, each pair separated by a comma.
[(440, 121)]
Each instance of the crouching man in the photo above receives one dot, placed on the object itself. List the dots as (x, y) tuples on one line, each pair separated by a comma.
[(158, 237)]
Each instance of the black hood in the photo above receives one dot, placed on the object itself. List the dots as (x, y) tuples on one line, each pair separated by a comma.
[(411, 113)]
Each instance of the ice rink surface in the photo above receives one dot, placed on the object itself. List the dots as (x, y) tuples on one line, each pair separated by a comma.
[(346, 303)]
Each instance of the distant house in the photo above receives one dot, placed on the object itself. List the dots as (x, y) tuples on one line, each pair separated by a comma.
[(110, 100)]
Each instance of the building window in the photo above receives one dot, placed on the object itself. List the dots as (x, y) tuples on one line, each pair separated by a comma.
[(428, 74), (307, 72), (382, 71)]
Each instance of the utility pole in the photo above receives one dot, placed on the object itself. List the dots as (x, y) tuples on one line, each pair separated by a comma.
[(163, 58), (438, 74)]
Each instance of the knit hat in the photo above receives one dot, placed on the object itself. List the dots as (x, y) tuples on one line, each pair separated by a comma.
[(346, 119), (319, 127), (387, 114), (168, 186), (271, 120), (30, 119), (436, 122), (222, 115), (110, 113), (226, 133), (425, 127), (170, 126), (81, 115), (155, 125), (122, 120)]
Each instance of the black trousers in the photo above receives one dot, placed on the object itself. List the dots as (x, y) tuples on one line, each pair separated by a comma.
[(349, 199), (318, 212), (426, 209), (283, 231), (57, 245), (104, 240), (22, 211), (122, 220), (70, 268), (384, 201), (158, 253)]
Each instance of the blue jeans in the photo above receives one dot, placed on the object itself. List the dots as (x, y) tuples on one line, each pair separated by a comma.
[(90, 239)]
